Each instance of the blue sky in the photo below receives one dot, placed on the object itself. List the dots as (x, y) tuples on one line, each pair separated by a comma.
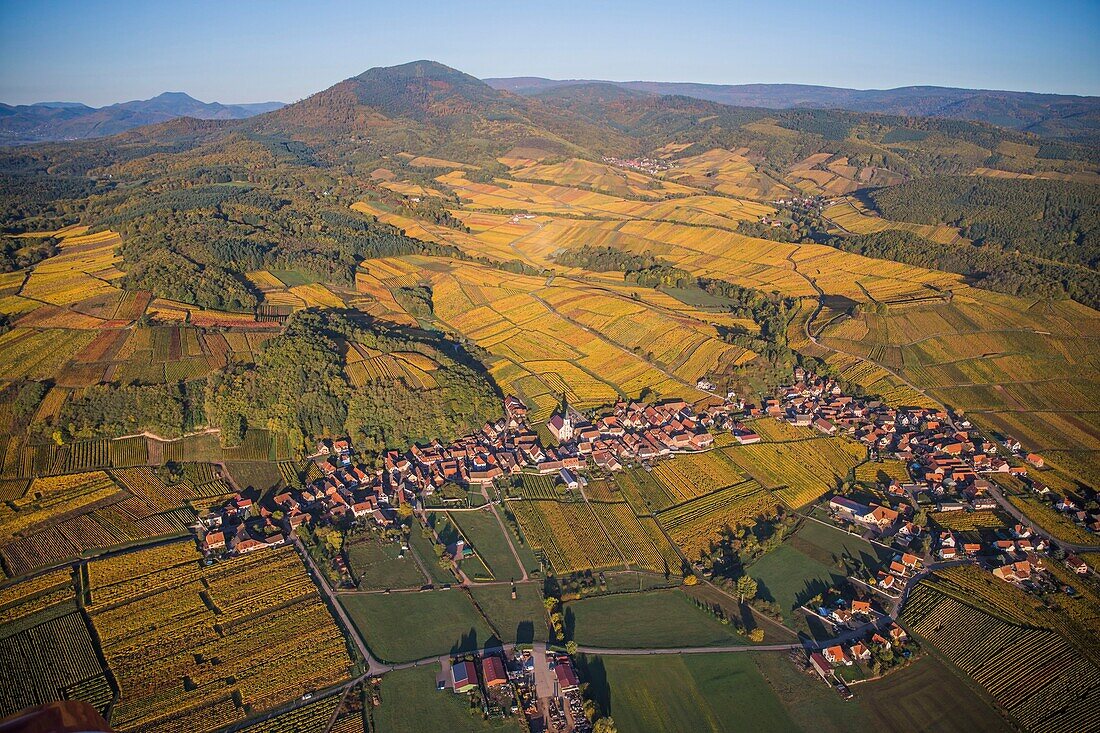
[(248, 51)]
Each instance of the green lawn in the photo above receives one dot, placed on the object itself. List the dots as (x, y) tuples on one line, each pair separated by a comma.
[(401, 627), (522, 620), (483, 532), (411, 704), (789, 578), (813, 705), (291, 278), (927, 696), (805, 564), (822, 542), (653, 619), (422, 546), (447, 529), (378, 566), (692, 692)]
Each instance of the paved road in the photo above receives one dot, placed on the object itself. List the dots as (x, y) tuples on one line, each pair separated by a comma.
[(690, 649), (1023, 519), (374, 666)]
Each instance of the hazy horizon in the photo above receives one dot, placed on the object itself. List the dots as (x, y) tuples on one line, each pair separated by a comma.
[(245, 53)]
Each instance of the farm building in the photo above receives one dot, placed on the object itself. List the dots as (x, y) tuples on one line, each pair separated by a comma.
[(464, 676)]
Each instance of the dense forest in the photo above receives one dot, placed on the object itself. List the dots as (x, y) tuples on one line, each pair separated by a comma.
[(1055, 220), (109, 410), (193, 244), (299, 386), (987, 267), (19, 252)]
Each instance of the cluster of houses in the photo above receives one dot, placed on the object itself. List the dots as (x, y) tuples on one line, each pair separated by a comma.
[(805, 203), (828, 659), (509, 681), (946, 459), (849, 613), (652, 166), (342, 489), (235, 527), (949, 461), (631, 431)]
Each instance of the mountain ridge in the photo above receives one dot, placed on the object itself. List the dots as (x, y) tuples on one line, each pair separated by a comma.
[(1074, 117), (58, 121)]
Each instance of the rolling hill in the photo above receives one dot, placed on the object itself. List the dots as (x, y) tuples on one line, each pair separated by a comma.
[(1062, 116)]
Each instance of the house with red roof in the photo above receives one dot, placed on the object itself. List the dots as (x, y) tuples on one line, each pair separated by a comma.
[(493, 672)]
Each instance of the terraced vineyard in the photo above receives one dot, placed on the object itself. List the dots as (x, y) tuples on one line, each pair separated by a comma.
[(1043, 681), (799, 472), (190, 645), (643, 549), (568, 533), (694, 525), (45, 646), (968, 521)]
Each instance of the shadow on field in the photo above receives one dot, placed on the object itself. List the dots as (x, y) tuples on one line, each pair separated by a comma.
[(763, 592), (591, 669), (525, 632), (815, 587), (819, 630), (466, 643)]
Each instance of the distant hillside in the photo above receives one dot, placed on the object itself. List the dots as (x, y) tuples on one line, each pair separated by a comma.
[(1050, 115), (52, 121), (432, 108)]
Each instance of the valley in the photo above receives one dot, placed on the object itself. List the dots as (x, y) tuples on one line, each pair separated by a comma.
[(414, 395)]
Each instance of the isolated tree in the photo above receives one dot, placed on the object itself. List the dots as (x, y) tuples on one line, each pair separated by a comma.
[(746, 588), (604, 725), (757, 635), (571, 648)]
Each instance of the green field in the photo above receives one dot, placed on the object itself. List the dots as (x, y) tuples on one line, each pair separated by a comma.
[(422, 546), (520, 621), (813, 705), (806, 564), (692, 692), (377, 566), (483, 532), (448, 532), (927, 696), (411, 704), (654, 619), (292, 278), (259, 475), (401, 627)]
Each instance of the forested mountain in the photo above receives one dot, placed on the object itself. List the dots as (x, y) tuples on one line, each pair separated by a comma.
[(1049, 115), (73, 121)]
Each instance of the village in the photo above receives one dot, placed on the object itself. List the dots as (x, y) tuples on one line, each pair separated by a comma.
[(952, 469), (631, 432), (949, 462)]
